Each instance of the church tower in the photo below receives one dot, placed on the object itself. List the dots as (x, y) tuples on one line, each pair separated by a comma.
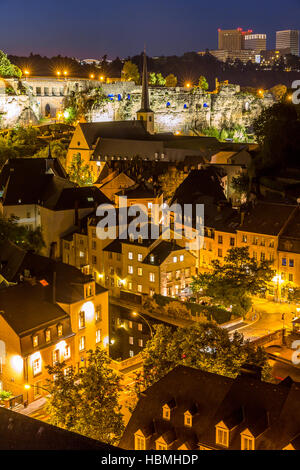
[(145, 114)]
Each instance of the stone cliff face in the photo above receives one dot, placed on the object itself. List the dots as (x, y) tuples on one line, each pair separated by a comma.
[(176, 109)]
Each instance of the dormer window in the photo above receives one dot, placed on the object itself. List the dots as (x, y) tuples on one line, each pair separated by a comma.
[(161, 444), (166, 413), (188, 419), (139, 441), (222, 435), (140, 239), (35, 341), (247, 440), (152, 259), (48, 336), (59, 330)]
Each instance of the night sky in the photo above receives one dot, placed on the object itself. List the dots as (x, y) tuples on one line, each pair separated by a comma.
[(92, 28)]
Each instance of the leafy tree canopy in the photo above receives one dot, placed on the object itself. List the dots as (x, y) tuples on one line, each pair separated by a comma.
[(130, 72), (232, 283), (171, 80), (79, 172), (7, 69), (203, 84), (202, 346), (277, 130), (20, 235), (87, 402)]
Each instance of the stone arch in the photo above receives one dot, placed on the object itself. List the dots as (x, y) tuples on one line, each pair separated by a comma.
[(47, 110)]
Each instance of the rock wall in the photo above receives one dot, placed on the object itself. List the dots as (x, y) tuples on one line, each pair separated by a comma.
[(176, 109)]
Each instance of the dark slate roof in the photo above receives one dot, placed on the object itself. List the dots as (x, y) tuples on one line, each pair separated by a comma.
[(19, 432), (69, 280), (30, 167), (267, 218), (84, 197), (140, 190), (27, 306), (270, 412), (200, 187), (221, 217), (112, 130), (114, 247), (161, 252)]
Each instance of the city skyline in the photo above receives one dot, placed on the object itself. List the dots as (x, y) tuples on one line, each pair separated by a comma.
[(87, 35)]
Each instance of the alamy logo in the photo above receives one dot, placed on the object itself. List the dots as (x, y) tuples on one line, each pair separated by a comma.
[(151, 222), (296, 354), (296, 94)]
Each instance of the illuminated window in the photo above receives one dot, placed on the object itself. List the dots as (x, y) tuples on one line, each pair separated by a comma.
[(59, 330), (161, 445), (81, 343), (48, 336), (152, 259), (141, 343), (35, 341), (130, 269), (247, 442), (169, 276), (175, 259), (140, 326), (81, 320), (140, 239), (130, 255), (98, 336), (181, 257), (166, 413), (140, 271), (244, 239), (130, 324), (98, 313), (129, 285), (152, 277), (131, 340), (222, 436), (139, 441), (140, 257), (55, 357), (140, 288), (37, 366), (67, 352), (188, 420), (150, 205)]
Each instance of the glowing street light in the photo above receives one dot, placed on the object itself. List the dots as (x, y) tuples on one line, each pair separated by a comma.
[(92, 76), (101, 78), (65, 73), (26, 72), (136, 314), (58, 73), (188, 85)]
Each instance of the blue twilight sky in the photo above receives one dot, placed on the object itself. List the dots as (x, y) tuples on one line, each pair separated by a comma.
[(92, 28)]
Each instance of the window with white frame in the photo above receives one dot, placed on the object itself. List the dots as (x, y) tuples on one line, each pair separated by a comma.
[(131, 340), (130, 255), (37, 366), (67, 352), (152, 277), (81, 320), (222, 436), (247, 442), (98, 336), (181, 257), (35, 341), (140, 271), (81, 343), (140, 288), (140, 257), (175, 259), (139, 441), (130, 269)]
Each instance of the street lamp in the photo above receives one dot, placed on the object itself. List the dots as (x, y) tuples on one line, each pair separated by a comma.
[(92, 76), (58, 73), (101, 78), (26, 73), (188, 84), (136, 314)]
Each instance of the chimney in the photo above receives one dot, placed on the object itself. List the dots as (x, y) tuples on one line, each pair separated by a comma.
[(54, 288), (251, 371)]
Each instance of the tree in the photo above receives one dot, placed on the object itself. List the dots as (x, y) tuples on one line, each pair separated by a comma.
[(130, 72), (152, 79), (240, 184), (26, 238), (160, 80), (171, 80), (79, 172), (277, 130), (87, 402), (7, 69), (203, 83), (202, 346), (279, 92), (232, 283)]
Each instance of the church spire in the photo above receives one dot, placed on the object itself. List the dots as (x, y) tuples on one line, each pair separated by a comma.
[(145, 114), (145, 92)]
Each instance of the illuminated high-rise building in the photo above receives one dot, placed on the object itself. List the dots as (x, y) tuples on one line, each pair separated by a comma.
[(255, 42), (288, 41)]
